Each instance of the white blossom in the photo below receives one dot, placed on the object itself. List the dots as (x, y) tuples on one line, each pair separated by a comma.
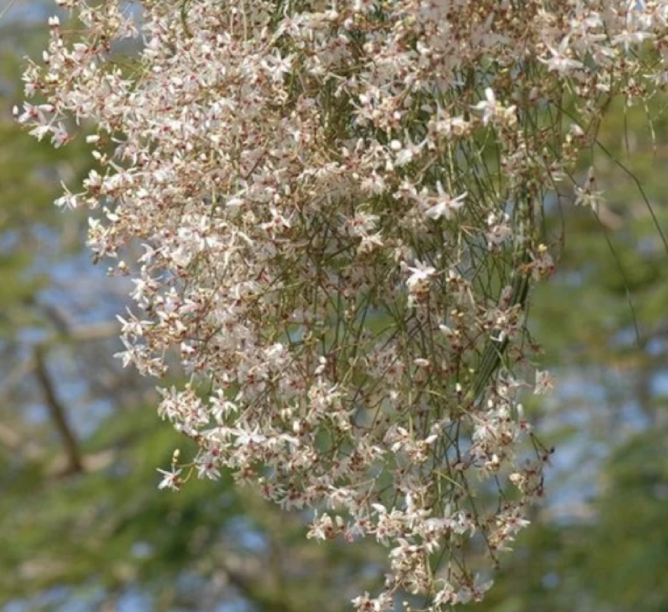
[(325, 203)]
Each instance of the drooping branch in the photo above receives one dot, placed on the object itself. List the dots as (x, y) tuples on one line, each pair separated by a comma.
[(363, 354)]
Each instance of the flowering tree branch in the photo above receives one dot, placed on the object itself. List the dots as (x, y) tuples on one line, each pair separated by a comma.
[(339, 206)]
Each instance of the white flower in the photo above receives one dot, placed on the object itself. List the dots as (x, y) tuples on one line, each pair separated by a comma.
[(420, 276), (488, 106), (445, 205), (588, 195), (628, 38), (170, 480), (544, 383), (560, 62)]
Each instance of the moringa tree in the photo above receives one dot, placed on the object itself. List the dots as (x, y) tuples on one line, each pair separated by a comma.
[(339, 207)]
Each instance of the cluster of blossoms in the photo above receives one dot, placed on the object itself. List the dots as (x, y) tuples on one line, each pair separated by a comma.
[(339, 209)]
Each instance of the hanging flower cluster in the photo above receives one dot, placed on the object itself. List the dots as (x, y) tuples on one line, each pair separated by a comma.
[(338, 205)]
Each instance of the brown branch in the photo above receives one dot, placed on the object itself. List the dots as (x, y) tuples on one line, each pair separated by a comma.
[(76, 333), (58, 414)]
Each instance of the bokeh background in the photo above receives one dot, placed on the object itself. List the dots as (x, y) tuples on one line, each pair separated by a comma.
[(83, 526)]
